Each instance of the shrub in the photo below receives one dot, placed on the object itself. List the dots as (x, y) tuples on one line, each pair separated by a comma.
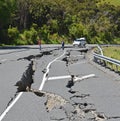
[(13, 34), (28, 37)]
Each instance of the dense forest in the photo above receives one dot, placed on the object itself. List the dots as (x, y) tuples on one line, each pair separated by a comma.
[(26, 21)]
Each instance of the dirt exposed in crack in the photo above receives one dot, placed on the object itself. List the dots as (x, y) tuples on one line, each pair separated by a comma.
[(74, 110), (53, 100), (12, 98), (42, 53), (100, 116), (28, 57), (83, 50), (69, 60), (78, 108), (47, 52), (27, 78), (70, 82), (81, 109), (80, 96), (56, 102)]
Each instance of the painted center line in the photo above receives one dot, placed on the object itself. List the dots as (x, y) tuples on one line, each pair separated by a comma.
[(69, 76), (48, 66), (59, 77), (10, 106), (84, 77)]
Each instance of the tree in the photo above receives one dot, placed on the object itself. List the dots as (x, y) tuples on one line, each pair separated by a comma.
[(22, 14)]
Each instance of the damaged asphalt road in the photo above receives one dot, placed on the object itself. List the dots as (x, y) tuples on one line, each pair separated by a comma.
[(57, 85)]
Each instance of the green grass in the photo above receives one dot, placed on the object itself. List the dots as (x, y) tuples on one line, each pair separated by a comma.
[(112, 52), (112, 2)]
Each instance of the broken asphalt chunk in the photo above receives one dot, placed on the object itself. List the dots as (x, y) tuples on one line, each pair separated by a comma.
[(38, 92)]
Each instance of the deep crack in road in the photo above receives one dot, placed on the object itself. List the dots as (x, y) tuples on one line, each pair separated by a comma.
[(76, 106)]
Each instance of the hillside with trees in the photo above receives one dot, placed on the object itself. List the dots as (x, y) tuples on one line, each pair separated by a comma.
[(25, 21)]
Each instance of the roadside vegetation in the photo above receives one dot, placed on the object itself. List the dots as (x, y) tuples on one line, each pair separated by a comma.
[(112, 2), (25, 21), (112, 52)]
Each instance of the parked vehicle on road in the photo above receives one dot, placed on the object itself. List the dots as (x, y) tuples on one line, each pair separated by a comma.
[(80, 42)]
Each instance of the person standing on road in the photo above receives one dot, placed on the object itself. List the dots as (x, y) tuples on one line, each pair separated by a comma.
[(63, 45), (39, 43)]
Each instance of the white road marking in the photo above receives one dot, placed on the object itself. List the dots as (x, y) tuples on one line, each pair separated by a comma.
[(45, 75), (10, 106), (69, 76), (59, 77), (84, 77), (3, 60)]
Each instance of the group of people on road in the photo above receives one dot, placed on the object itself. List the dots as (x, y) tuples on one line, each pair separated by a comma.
[(39, 43)]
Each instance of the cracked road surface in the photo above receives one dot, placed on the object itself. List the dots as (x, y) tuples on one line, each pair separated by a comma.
[(56, 85)]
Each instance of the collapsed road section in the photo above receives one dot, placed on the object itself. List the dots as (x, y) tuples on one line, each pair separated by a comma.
[(72, 110), (26, 81), (27, 78), (68, 90), (74, 105)]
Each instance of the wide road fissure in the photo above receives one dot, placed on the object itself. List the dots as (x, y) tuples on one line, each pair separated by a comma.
[(61, 85), (20, 94), (47, 71)]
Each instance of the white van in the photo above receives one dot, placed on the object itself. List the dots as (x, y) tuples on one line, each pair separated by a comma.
[(81, 42)]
